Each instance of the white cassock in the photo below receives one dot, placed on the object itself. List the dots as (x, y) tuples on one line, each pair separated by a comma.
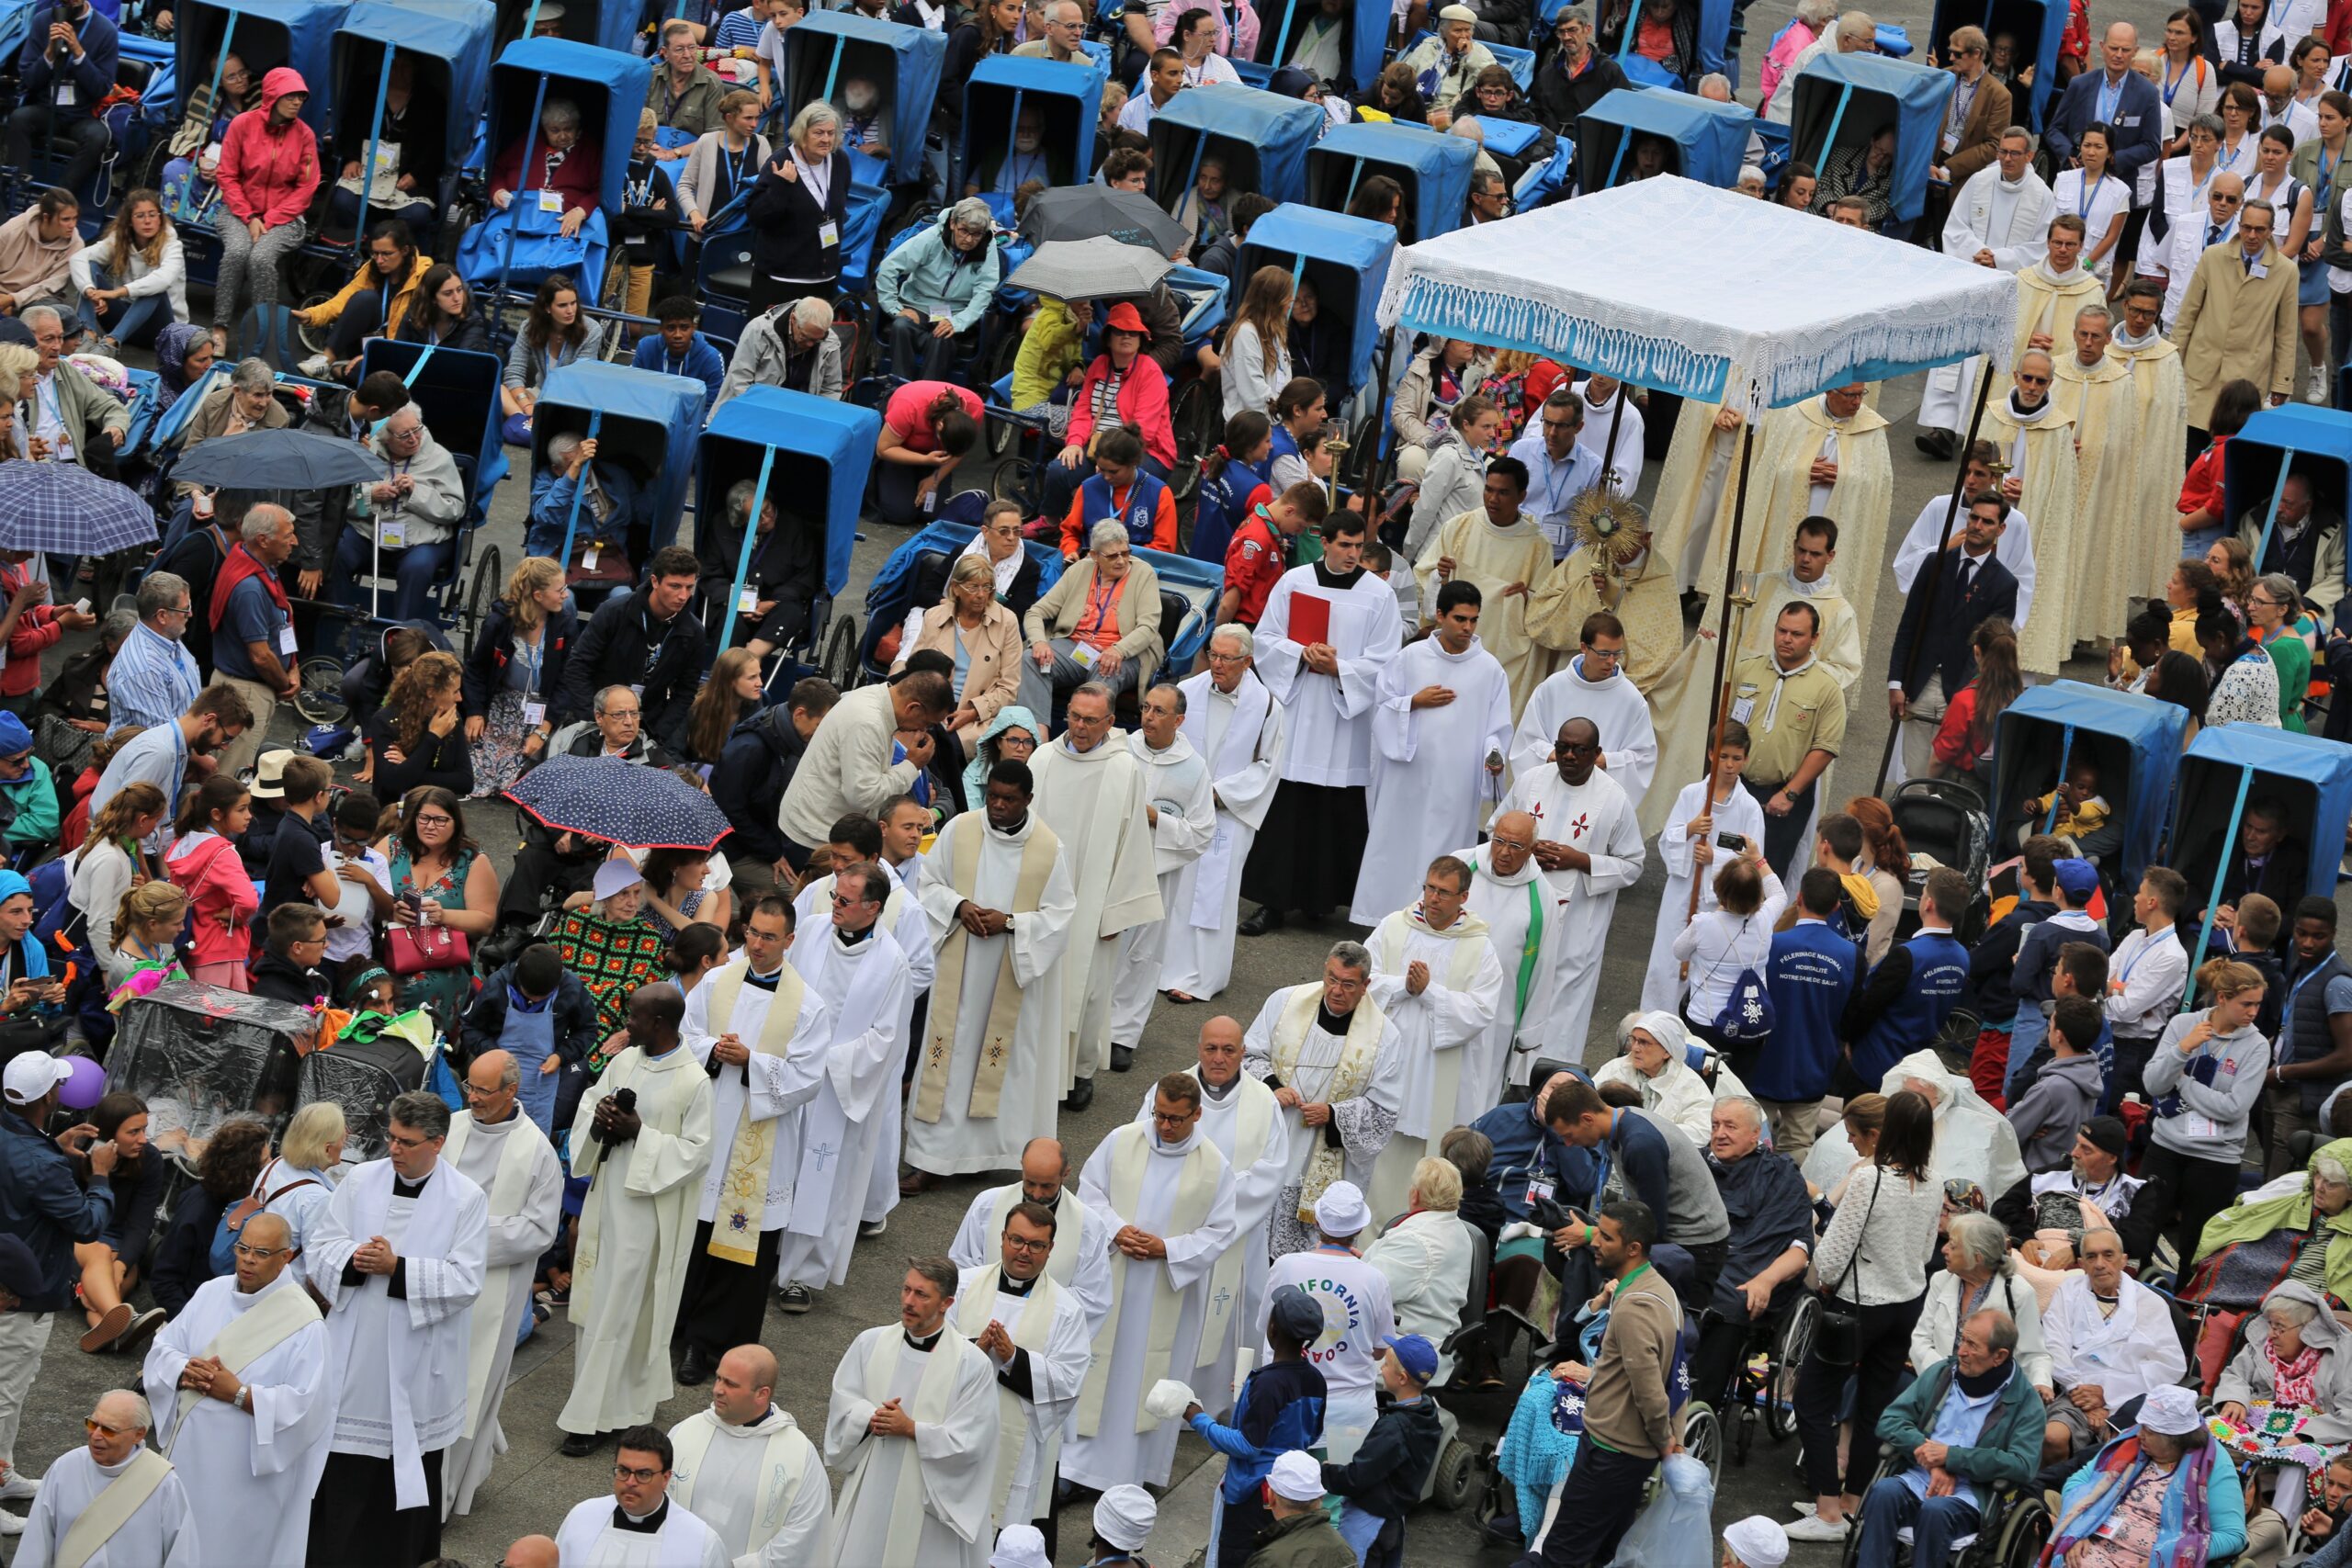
[(249, 1476), (1094, 803), (592, 1536), (1079, 1263), (1246, 1124), (1176, 784), (1052, 1347), (636, 1229), (1621, 468), (867, 981), (514, 1165), (1241, 736), (1525, 936), (1182, 1193), (159, 1532), (2038, 446), (1434, 1031), (2011, 219), (1618, 709), (1596, 818), (1491, 559), (920, 1502), (2015, 550), (403, 1367), (1662, 985), (1355, 1066), (1431, 787), (754, 1107), (974, 1104), (761, 1487)]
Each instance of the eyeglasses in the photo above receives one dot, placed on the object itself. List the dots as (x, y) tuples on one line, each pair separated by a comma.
[(94, 1428), (843, 901), (182, 611), (1228, 658), (1575, 748), (629, 1472), (410, 1143), (1612, 654), (256, 1253), (1028, 1243), (436, 820), (475, 1090), (1029, 743)]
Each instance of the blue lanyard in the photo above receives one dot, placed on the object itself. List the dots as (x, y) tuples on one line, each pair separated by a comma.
[(2090, 195), (536, 656), (1552, 483)]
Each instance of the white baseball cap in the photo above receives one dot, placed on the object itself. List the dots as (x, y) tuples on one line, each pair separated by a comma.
[(32, 1075), (1297, 1477)]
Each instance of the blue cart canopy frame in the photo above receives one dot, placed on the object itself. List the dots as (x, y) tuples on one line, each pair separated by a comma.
[(452, 37), (820, 448), (2037, 27), (826, 48), (1263, 137), (265, 34), (2313, 442), (1069, 95), (1710, 139), (1345, 258), (643, 417), (1434, 170), (609, 90), (1842, 100), (2134, 741), (2230, 767)]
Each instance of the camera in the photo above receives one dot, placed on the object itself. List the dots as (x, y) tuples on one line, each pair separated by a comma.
[(1734, 842)]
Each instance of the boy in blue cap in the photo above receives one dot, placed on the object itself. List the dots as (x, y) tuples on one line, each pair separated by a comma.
[(1386, 1475), (1281, 1408)]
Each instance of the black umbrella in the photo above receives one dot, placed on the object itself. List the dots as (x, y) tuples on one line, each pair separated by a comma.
[(1081, 212), (279, 459)]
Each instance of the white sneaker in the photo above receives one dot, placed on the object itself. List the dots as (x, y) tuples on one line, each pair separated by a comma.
[(1813, 1526), (316, 368), (871, 1228), (19, 1487), (11, 1524), (2315, 386)]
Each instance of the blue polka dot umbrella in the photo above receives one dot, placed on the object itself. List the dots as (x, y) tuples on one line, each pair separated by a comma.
[(624, 803)]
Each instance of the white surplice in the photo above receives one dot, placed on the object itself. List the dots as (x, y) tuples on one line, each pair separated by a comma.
[(161, 1533), (1615, 417), (1628, 733), (1434, 1030), (516, 1168), (768, 1087), (1039, 943), (1328, 718), (1662, 984), (1081, 1261), (1094, 803), (590, 1538), (2015, 550), (920, 1502), (1525, 935), (1241, 735), (1431, 787), (403, 1367), (636, 1231), (249, 1474), (1176, 784), (867, 981), (761, 1487), (1049, 1333), (1596, 818)]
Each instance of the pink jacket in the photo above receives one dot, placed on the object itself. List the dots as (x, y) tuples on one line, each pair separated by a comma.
[(213, 876), (264, 173), (1143, 406), (1783, 54)]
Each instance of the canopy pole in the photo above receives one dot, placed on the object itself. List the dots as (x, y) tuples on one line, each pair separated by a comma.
[(1719, 691), (743, 556), (2214, 893), (1616, 422), (220, 63), (579, 488), (2270, 517), (2065, 760), (1935, 568)]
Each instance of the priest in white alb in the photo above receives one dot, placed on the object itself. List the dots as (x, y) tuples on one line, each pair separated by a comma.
[(1091, 791), (1593, 686), (1589, 846), (246, 1392), (1035, 1334), (2035, 439), (115, 1503), (761, 1034), (639, 1524), (1437, 979), (400, 1253), (1612, 432), (1441, 725), (2160, 392), (1183, 824), (2096, 388), (914, 1422), (744, 1467), (1328, 628), (642, 1137), (1080, 1259), (859, 968), (990, 1074), (1501, 551), (1999, 219), (501, 1150), (1337, 1069), (1170, 1191), (1507, 891), (2015, 551), (1234, 724)]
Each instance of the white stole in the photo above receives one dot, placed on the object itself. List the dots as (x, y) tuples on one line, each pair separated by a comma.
[(1195, 1195), (779, 1475), (484, 1330), (1253, 1124), (111, 1509), (933, 1397), (245, 1338), (1033, 1331)]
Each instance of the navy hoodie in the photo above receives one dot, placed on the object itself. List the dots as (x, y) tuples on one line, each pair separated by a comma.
[(1810, 974)]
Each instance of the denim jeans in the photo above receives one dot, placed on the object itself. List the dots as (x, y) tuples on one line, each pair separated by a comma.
[(1936, 1523), (412, 570), (126, 321)]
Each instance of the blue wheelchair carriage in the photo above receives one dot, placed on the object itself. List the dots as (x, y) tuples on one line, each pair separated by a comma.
[(826, 49), (264, 35), (1842, 102), (1261, 138), (1693, 137), (1433, 171)]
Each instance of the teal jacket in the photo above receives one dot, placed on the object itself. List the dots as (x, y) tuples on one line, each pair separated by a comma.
[(2009, 1450), (923, 276), (35, 798)]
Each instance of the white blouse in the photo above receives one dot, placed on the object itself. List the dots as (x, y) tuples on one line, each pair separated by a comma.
[(2098, 207)]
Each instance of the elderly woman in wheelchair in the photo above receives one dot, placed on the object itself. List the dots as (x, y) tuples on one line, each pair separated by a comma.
[(2161, 1496)]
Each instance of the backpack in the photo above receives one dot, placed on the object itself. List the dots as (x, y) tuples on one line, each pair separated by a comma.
[(232, 1221), (57, 923), (1746, 1018)]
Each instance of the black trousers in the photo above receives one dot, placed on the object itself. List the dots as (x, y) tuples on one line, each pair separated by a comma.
[(1723, 1345), (1597, 1507), (1308, 853), (1886, 1341), (355, 1522), (2181, 1194), (1706, 1265), (724, 1303), (1237, 1537), (537, 868), (79, 130), (1783, 836)]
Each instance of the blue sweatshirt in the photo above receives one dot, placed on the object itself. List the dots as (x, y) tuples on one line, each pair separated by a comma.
[(2038, 952), (1281, 1408), (1810, 973)]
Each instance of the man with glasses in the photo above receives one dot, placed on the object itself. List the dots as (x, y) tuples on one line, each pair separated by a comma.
[(1079, 1258), (115, 1502), (1999, 219), (1490, 197), (1039, 1337), (2306, 544), (493, 1144), (1506, 893), (641, 1524), (403, 526), (1574, 76), (1236, 726), (1064, 31), (2039, 439), (747, 1471), (1973, 121), (1560, 468), (248, 1443), (153, 676), (400, 1253), (1589, 845), (1595, 686), (78, 421), (2186, 242)]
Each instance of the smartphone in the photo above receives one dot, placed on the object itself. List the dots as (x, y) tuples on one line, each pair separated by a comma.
[(1735, 842)]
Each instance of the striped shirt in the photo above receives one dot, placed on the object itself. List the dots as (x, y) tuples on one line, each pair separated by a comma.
[(151, 681), (737, 29)]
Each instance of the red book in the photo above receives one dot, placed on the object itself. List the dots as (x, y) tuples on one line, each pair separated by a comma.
[(1310, 619)]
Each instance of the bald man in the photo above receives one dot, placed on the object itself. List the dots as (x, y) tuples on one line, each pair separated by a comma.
[(138, 1503), (1525, 934), (240, 1378), (1080, 1263), (502, 1151), (533, 1551), (745, 1469)]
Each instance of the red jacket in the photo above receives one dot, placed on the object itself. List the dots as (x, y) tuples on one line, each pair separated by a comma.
[(1142, 407), (1254, 562), (579, 177), (269, 174), (213, 876), (2200, 489), (35, 630)]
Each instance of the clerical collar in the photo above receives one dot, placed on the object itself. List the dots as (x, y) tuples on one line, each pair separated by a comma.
[(1326, 577), (1331, 1022), (1218, 1091), (924, 1344), (650, 1524), (850, 938), (766, 982), (1008, 833), (1008, 1285), (404, 1188)]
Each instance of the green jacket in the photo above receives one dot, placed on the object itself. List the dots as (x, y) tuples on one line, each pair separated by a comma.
[(2009, 1450), (2246, 1220), (35, 798), (1303, 1540), (85, 408), (695, 110)]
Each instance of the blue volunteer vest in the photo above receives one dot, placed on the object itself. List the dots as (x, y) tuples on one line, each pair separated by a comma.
[(1939, 978), (2303, 1033), (1143, 503)]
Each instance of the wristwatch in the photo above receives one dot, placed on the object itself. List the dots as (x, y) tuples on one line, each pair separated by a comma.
[(245, 1399)]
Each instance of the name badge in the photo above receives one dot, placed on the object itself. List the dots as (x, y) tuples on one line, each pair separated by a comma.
[(2127, 119), (551, 201), (748, 602), (1539, 1191), (588, 559), (534, 715), (392, 533), (828, 233), (65, 95), (1741, 708), (2257, 270), (286, 648)]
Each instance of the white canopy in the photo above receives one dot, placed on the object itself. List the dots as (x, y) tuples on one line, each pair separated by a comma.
[(1669, 283)]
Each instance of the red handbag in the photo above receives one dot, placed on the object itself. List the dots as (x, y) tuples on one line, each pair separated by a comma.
[(418, 950)]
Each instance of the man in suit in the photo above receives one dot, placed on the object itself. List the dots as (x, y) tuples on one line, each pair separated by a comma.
[(2268, 860), (2126, 102), (1932, 657), (2238, 319), (1978, 114)]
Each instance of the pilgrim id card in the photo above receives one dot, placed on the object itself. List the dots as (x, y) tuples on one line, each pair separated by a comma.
[(534, 715), (551, 201), (748, 602), (286, 647), (65, 95), (392, 533), (1540, 1190), (588, 560), (1743, 704), (828, 233)]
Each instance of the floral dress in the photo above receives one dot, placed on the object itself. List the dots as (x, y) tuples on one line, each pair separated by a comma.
[(498, 756), (441, 991)]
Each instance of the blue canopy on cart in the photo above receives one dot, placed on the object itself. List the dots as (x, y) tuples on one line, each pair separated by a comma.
[(458, 33), (1711, 137), (1855, 94), (254, 30), (2296, 439), (1434, 169), (1070, 95), (616, 80), (815, 50), (2134, 740), (1279, 129), (671, 405), (2039, 26), (1347, 260), (839, 435)]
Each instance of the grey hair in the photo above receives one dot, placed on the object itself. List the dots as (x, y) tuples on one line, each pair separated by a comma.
[(1755, 1110), (1073, 5), (1234, 631), (972, 216), (2330, 1170), (604, 694), (2256, 204), (2282, 587), (1109, 531), (1713, 79), (812, 114), (160, 591), (1171, 687), (1857, 24), (117, 625), (262, 522), (1750, 176), (560, 114), (2295, 1311), (1981, 1241), (31, 312), (1816, 14), (2107, 1231), (1352, 955), (2000, 1328), (2210, 123), (511, 1074), (561, 448), (812, 313), (251, 376), (143, 1413), (421, 1110), (2102, 312), (939, 1271), (739, 495), (2032, 143), (1099, 689)]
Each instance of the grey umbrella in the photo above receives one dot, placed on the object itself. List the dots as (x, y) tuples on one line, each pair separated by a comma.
[(1080, 212), (1089, 269), (279, 459)]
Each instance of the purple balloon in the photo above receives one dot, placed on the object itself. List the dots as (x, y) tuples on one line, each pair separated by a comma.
[(85, 1086)]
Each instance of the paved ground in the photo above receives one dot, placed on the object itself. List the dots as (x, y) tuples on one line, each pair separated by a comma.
[(533, 1485)]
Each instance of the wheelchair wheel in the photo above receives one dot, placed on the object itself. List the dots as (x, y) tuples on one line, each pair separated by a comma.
[(314, 339), (1457, 1474), (1010, 482), (1703, 1438), (839, 663), (1190, 416), (484, 592), (1780, 1367), (319, 702), (2025, 1530)]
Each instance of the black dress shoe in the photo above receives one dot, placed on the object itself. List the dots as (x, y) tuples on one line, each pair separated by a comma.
[(1938, 444), (1267, 918), (1122, 1058), (693, 1367), (1080, 1096), (580, 1444)]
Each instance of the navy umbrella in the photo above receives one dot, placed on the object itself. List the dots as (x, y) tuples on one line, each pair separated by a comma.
[(624, 803), (63, 508), (279, 459)]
